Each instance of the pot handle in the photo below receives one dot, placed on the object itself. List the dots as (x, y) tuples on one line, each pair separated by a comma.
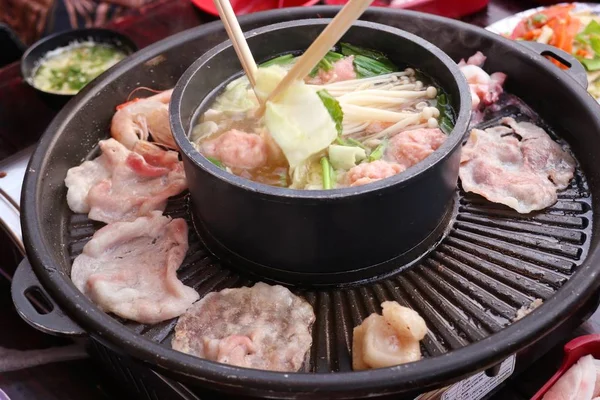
[(36, 307), (575, 69)]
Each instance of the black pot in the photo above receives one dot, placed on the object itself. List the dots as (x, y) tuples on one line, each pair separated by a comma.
[(320, 236), (33, 55)]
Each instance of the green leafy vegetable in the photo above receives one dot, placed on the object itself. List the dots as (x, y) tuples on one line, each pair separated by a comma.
[(582, 39), (366, 67), (326, 64), (446, 120), (539, 18), (349, 142), (354, 142), (327, 173), (589, 38), (332, 56), (595, 43), (592, 28), (367, 62), (281, 60), (592, 64), (216, 162), (378, 152), (591, 31), (334, 109), (350, 50)]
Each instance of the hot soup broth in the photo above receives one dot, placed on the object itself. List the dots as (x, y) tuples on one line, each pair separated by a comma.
[(356, 119)]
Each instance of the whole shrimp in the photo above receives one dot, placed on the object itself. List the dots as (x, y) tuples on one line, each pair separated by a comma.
[(140, 119)]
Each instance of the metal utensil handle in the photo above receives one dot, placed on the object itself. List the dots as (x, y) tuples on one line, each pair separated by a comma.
[(576, 70), (54, 321)]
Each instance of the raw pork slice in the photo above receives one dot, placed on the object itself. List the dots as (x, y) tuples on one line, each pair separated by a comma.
[(263, 327), (122, 185), (519, 166), (388, 340), (577, 383), (129, 269), (597, 385), (544, 154), (81, 179)]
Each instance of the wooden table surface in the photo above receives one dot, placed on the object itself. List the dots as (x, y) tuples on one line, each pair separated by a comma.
[(83, 379)]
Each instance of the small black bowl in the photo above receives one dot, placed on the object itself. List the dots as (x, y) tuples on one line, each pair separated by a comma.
[(320, 237), (32, 56)]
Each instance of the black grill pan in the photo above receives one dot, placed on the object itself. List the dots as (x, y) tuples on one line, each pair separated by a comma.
[(490, 262)]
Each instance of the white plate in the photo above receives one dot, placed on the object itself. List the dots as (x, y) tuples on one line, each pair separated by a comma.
[(508, 24)]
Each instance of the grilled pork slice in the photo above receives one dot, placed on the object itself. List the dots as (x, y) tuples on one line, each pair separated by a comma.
[(262, 327)]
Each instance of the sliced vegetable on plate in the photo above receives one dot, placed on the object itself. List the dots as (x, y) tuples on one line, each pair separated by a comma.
[(571, 27)]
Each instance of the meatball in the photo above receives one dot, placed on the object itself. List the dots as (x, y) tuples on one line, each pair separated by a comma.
[(237, 149), (373, 171), (410, 147)]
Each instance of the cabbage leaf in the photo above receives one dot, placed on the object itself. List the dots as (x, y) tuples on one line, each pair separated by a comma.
[(298, 121), (236, 98), (267, 80), (345, 157)]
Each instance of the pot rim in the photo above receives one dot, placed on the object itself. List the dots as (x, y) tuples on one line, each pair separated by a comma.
[(455, 138), (451, 366)]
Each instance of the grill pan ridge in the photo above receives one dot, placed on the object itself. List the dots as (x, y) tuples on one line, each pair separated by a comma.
[(491, 262)]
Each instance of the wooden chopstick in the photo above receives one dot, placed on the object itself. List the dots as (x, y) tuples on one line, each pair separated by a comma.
[(234, 31), (319, 48)]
